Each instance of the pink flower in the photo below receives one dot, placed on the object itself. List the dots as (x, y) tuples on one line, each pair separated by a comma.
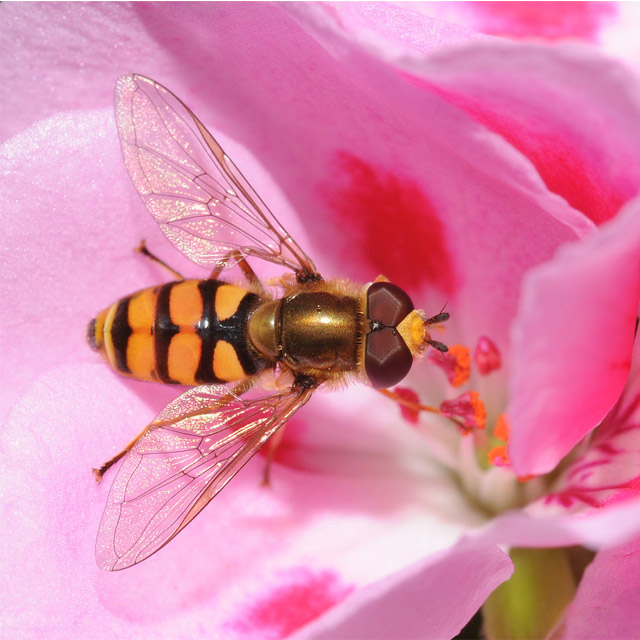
[(493, 176)]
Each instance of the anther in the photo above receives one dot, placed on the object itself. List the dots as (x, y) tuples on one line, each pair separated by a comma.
[(456, 363), (498, 456), (467, 411), (410, 406), (487, 356), (501, 430), (410, 411)]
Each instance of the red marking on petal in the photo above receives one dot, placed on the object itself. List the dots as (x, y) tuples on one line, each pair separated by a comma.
[(395, 227), (549, 20), (607, 471), (630, 489), (487, 356), (456, 363), (554, 153), (409, 414), (566, 160), (300, 596), (597, 496)]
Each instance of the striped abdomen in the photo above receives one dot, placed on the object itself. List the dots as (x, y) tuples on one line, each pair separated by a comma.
[(188, 332)]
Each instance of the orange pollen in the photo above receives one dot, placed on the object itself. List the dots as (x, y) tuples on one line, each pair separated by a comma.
[(498, 456), (502, 429), (456, 363), (467, 411)]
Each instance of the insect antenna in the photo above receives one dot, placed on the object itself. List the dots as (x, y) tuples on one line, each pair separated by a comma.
[(443, 316)]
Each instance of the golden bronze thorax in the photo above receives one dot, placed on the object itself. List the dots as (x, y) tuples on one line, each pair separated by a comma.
[(308, 331)]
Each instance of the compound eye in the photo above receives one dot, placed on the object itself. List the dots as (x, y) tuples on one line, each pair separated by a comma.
[(387, 359), (387, 304)]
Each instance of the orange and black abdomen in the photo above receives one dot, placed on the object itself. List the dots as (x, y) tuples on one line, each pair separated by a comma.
[(189, 332)]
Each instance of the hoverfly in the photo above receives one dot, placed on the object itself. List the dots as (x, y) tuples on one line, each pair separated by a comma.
[(209, 333)]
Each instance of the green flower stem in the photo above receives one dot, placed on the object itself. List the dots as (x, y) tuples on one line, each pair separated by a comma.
[(531, 603)]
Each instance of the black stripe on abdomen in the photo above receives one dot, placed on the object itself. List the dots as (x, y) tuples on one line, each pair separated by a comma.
[(163, 331), (208, 331), (240, 329), (120, 332), (233, 330)]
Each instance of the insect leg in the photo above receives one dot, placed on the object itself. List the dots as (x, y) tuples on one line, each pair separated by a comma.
[(98, 473), (142, 248), (238, 390), (308, 384), (272, 447), (241, 261)]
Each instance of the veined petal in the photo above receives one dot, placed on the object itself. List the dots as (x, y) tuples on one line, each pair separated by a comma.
[(604, 470)]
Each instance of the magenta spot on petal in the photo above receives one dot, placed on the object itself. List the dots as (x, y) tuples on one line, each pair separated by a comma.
[(564, 159), (487, 356), (548, 20), (299, 597), (573, 176), (393, 225)]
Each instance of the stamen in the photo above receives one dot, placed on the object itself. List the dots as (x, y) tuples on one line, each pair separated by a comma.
[(409, 403), (467, 411), (487, 356), (409, 412), (502, 429), (498, 456), (456, 363)]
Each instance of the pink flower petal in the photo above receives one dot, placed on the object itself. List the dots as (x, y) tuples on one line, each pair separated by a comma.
[(310, 535), (479, 239), (333, 126), (68, 214), (546, 102), (550, 106), (535, 527), (432, 599), (295, 599), (606, 604), (400, 27), (550, 21), (606, 471), (611, 26), (51, 68), (422, 156), (572, 343)]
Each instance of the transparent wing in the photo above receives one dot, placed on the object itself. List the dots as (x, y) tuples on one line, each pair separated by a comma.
[(197, 195), (186, 456)]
